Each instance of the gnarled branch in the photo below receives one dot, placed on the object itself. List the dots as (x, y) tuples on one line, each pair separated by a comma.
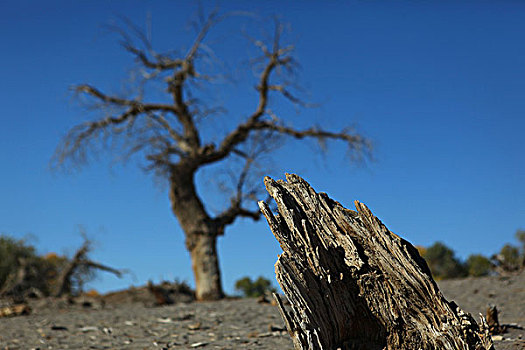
[(242, 132), (136, 106), (236, 209), (160, 62), (354, 141)]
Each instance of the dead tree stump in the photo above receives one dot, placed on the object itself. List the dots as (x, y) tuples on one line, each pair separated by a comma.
[(353, 284)]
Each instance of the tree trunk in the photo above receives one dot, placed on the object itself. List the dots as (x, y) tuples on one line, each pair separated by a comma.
[(63, 282), (353, 284), (205, 265), (200, 231)]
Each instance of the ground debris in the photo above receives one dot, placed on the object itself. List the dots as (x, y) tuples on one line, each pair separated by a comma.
[(226, 324), (199, 344), (15, 310)]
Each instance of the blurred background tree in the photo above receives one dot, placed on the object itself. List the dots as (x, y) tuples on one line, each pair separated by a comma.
[(24, 272), (520, 236), (170, 132), (508, 259), (442, 262), (253, 289), (511, 258), (478, 265)]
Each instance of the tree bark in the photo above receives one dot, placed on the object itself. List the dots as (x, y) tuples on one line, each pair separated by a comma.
[(201, 233), (353, 284), (205, 265)]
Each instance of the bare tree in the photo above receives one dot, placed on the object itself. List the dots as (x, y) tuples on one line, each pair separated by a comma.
[(168, 135), (79, 268)]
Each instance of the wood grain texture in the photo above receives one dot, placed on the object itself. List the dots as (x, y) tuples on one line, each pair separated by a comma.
[(353, 284)]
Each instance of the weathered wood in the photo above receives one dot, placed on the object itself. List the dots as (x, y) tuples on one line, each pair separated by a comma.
[(353, 284)]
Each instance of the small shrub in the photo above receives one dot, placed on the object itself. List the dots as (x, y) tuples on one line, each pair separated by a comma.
[(92, 293), (22, 269), (508, 259), (443, 263), (478, 265), (12, 253), (520, 236), (251, 289), (182, 287)]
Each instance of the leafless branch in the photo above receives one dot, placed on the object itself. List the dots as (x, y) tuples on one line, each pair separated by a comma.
[(175, 136), (79, 260), (136, 106), (259, 145), (241, 133), (99, 266), (287, 94), (236, 208), (355, 141), (148, 57), (210, 22), (63, 284), (160, 62)]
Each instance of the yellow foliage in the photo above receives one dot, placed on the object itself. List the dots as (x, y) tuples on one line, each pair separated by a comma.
[(92, 293), (51, 256)]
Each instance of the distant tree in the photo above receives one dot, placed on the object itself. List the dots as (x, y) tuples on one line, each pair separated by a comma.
[(443, 263), (520, 236), (251, 289), (13, 253), (79, 270), (511, 254), (508, 259), (22, 270), (168, 132), (478, 265)]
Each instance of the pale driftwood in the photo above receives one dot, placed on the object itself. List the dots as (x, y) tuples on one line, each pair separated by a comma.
[(353, 284)]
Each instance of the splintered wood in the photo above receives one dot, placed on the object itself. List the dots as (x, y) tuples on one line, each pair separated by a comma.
[(353, 284)]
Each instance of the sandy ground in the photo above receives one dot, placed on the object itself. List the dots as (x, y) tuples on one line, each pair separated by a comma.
[(129, 321)]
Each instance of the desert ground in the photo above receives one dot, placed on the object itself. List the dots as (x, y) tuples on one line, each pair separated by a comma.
[(130, 320)]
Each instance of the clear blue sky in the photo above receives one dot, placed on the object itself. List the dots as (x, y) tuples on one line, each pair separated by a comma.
[(439, 86)]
